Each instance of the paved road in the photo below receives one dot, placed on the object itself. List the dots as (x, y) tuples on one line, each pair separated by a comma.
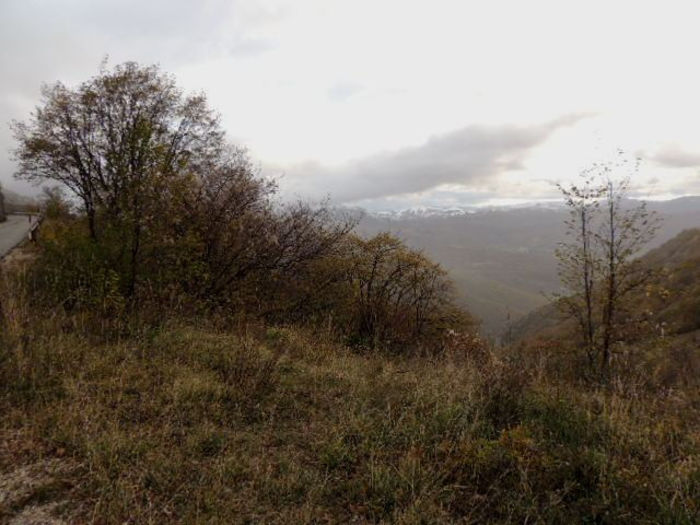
[(12, 232)]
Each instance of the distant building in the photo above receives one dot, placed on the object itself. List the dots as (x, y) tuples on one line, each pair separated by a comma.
[(3, 217)]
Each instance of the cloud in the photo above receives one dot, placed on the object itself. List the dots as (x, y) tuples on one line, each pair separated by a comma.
[(47, 41), (677, 158), (471, 156), (324, 80), (341, 91)]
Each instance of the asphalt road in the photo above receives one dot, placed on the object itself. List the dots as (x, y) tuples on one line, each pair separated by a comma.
[(12, 232)]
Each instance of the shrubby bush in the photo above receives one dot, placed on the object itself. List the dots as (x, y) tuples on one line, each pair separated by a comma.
[(378, 293), (174, 220)]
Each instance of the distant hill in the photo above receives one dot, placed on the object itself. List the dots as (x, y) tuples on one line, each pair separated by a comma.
[(502, 259), (678, 264)]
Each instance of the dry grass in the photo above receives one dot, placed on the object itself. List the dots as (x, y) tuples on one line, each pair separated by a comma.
[(188, 425), (192, 424)]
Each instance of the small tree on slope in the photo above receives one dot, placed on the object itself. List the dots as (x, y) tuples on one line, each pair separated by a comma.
[(597, 264)]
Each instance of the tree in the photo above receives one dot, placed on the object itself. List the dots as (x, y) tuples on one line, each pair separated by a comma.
[(402, 299), (577, 265), (54, 203), (597, 264), (172, 209), (114, 141), (624, 231)]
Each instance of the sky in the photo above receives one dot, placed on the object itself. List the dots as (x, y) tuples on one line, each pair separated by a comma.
[(393, 104)]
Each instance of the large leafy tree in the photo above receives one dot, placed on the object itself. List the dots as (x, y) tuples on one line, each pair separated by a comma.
[(118, 142), (108, 139), (178, 216), (163, 192)]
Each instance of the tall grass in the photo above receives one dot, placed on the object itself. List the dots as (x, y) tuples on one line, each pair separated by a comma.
[(188, 423)]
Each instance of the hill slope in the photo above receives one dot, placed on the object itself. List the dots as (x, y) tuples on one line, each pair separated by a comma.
[(190, 425), (677, 262)]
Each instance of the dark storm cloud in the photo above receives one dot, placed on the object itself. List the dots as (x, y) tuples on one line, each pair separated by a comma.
[(676, 158), (469, 156)]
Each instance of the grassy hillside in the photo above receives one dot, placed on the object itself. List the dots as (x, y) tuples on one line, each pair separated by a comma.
[(189, 424), (201, 419), (185, 348), (679, 261)]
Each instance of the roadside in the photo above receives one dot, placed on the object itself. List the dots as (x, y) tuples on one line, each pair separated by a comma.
[(33, 490), (13, 231)]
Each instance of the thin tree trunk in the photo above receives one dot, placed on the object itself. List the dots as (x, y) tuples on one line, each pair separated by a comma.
[(91, 223), (587, 284), (609, 316)]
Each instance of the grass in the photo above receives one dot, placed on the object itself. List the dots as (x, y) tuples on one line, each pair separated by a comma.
[(111, 423), (190, 424)]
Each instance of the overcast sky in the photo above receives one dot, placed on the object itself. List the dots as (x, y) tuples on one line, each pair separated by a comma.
[(390, 104)]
